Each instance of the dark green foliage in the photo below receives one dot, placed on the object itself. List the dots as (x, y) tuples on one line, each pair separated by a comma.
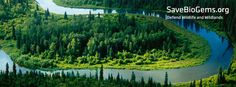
[(101, 73), (96, 75), (7, 69), (192, 84), (47, 14), (230, 68), (37, 18), (150, 82), (65, 16), (38, 79), (14, 69), (142, 82), (96, 40), (18, 37), (118, 78), (132, 77), (13, 32), (200, 84), (143, 4), (166, 80), (12, 9), (170, 84), (227, 25), (9, 11), (90, 16), (221, 77)]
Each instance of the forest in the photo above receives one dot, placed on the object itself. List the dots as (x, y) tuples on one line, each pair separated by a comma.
[(226, 25), (39, 39), (88, 42), (45, 40), (69, 79), (143, 4), (16, 78)]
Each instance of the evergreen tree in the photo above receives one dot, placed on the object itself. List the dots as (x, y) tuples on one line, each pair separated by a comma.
[(132, 77), (77, 74), (191, 84), (111, 77), (200, 84), (18, 39), (101, 73), (14, 69), (52, 50), (96, 75), (118, 78), (37, 7), (90, 16), (170, 85), (63, 75), (194, 83), (24, 49), (142, 82), (150, 82), (35, 14), (47, 14), (99, 15), (166, 80), (230, 68), (221, 77), (52, 16), (7, 70), (20, 73), (65, 16), (37, 49), (13, 32)]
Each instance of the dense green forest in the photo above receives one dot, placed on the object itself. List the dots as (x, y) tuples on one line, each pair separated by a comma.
[(144, 4), (13, 8), (226, 25), (115, 39), (9, 11), (14, 78), (71, 79), (44, 40)]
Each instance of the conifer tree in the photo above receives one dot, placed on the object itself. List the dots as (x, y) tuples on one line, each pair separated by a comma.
[(65, 16), (14, 69), (200, 84), (101, 73), (132, 77), (166, 80)]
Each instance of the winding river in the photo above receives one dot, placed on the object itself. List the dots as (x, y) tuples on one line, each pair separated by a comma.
[(221, 50)]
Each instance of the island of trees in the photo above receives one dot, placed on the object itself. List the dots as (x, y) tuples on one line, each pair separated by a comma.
[(44, 40)]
